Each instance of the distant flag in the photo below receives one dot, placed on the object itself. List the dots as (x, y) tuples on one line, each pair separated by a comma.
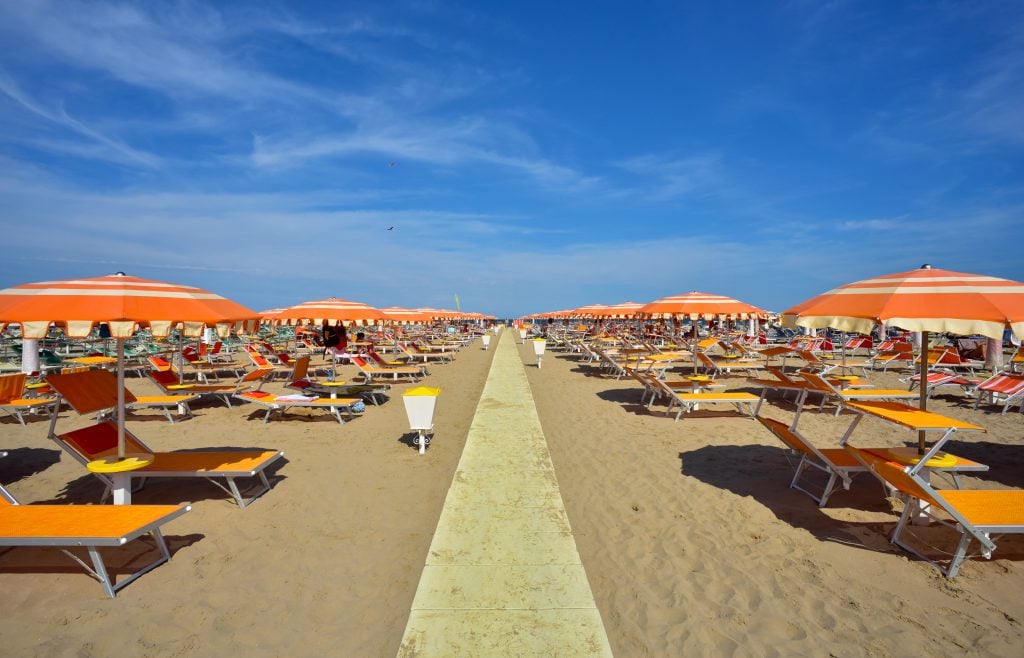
[(457, 307)]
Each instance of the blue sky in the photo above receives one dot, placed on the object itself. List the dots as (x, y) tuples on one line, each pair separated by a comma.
[(529, 156)]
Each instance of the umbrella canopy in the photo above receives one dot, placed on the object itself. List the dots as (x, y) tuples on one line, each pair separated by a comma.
[(697, 305), (124, 303), (625, 310), (399, 315), (925, 299), (589, 311), (332, 311)]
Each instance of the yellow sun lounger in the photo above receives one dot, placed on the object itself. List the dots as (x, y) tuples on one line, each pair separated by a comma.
[(95, 391), (12, 388), (821, 385), (718, 366), (281, 403), (839, 464), (168, 383), (744, 402), (88, 526), (409, 373), (977, 515)]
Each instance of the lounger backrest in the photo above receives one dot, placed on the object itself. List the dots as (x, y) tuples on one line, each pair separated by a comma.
[(706, 360), (255, 375), (98, 440), (895, 475), (300, 368), (88, 392), (163, 378), (786, 435), (259, 359), (160, 364), (818, 382), (358, 361), (12, 386), (1003, 383), (778, 372)]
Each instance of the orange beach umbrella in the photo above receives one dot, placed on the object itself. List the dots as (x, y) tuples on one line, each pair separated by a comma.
[(697, 305), (333, 311), (923, 300), (124, 303)]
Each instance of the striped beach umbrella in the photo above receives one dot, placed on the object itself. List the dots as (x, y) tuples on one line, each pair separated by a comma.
[(125, 304), (923, 300), (623, 311), (700, 305), (331, 311), (399, 315)]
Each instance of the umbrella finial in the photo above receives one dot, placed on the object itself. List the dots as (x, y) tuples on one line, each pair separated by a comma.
[(926, 266), (120, 274)]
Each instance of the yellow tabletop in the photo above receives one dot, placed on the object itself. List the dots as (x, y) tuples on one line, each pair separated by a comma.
[(699, 378), (336, 382), (113, 464), (845, 378), (910, 456), (912, 417)]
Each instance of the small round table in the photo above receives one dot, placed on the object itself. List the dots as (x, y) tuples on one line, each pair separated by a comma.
[(119, 469), (333, 385)]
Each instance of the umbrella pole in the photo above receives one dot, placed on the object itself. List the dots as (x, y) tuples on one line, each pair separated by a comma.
[(923, 388), (120, 398)]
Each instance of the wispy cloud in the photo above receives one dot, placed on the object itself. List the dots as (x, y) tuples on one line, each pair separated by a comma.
[(100, 147)]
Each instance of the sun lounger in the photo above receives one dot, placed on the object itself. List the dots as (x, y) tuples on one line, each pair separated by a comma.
[(939, 378), (408, 373), (822, 385), (1003, 388), (96, 391), (744, 402), (303, 384), (976, 515), (717, 366), (91, 527), (838, 463), (168, 383), (12, 390), (414, 353), (281, 403)]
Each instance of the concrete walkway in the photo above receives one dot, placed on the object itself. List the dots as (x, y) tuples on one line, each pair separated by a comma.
[(503, 577)]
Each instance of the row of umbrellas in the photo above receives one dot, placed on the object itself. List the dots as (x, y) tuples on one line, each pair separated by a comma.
[(333, 311), (126, 304), (923, 300), (692, 305)]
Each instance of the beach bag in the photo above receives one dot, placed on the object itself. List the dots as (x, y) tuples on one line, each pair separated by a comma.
[(359, 407)]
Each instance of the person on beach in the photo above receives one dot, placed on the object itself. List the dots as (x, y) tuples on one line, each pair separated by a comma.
[(335, 340)]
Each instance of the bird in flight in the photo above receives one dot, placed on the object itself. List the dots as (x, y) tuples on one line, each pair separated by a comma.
[(390, 227), (391, 164)]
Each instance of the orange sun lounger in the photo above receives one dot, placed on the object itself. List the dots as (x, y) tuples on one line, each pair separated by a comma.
[(12, 388), (87, 526), (96, 390), (977, 515)]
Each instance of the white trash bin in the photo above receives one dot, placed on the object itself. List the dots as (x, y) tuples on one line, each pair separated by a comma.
[(419, 407)]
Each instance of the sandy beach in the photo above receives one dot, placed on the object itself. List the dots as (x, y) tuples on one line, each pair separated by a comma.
[(691, 539)]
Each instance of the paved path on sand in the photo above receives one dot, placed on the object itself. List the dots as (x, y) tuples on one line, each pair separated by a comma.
[(503, 576)]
